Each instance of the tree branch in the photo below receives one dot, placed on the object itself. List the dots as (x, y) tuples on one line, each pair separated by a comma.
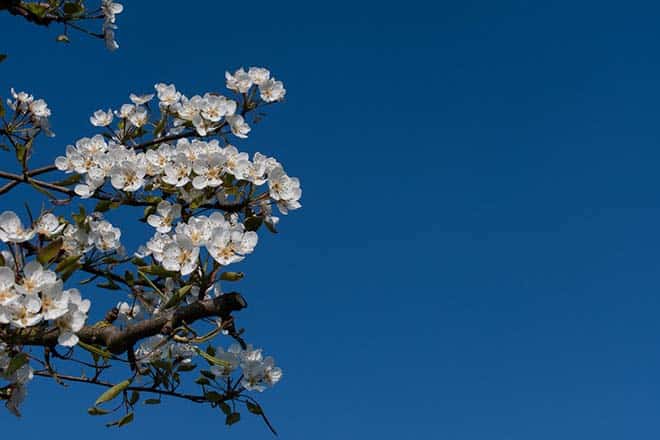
[(117, 340)]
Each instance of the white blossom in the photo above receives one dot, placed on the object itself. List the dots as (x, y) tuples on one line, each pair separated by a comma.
[(101, 118), (166, 214), (12, 230), (48, 224), (238, 126), (240, 81)]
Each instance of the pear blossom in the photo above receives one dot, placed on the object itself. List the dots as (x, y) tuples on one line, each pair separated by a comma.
[(228, 246), (101, 118), (258, 75), (284, 190), (7, 284), (167, 94), (48, 224), (209, 169), (272, 90), (54, 301), (141, 99), (180, 255), (240, 81), (238, 126), (73, 320), (12, 230), (128, 175), (35, 278), (167, 213), (24, 311)]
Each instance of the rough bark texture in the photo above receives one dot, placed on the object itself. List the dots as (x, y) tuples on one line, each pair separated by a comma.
[(118, 341)]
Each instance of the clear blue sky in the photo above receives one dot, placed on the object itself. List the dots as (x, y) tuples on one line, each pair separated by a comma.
[(478, 252)]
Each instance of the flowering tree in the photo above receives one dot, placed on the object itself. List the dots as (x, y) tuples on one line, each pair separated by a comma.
[(169, 157)]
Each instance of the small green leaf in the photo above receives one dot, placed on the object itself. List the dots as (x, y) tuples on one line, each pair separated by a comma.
[(135, 396), (37, 9), (94, 411), (202, 381), (152, 401), (71, 8), (253, 223), (49, 252), (232, 276), (225, 408), (16, 362), (186, 367), (232, 418), (254, 408), (95, 350), (178, 296), (128, 418), (112, 392)]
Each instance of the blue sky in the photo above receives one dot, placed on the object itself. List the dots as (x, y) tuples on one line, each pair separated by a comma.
[(477, 255)]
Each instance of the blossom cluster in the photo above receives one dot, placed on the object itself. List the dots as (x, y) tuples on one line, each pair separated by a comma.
[(256, 371), (77, 239), (35, 110), (110, 9), (227, 241), (34, 295)]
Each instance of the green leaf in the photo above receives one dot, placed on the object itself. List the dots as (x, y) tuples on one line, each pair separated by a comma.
[(109, 284), (232, 276), (254, 408), (105, 205), (202, 381), (211, 359), (128, 418), (37, 9), (94, 411), (225, 408), (71, 8), (48, 253), (178, 296), (152, 401), (135, 396), (2, 107), (207, 374), (112, 392), (66, 262), (16, 362), (95, 350), (232, 418), (186, 367), (73, 178), (253, 223)]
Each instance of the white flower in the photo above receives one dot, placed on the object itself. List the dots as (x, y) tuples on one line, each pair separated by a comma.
[(73, 320), (101, 118), (158, 158), (140, 99), (48, 225), (238, 126), (196, 229), (139, 117), (167, 94), (24, 311), (168, 213), (111, 9), (7, 284), (128, 312), (284, 190), (157, 244), (35, 278), (177, 173), (209, 170), (39, 108), (104, 236), (11, 229), (228, 246), (76, 240), (232, 360), (128, 175), (214, 107), (54, 301), (240, 81), (237, 164), (272, 90), (258, 75), (125, 111), (180, 255)]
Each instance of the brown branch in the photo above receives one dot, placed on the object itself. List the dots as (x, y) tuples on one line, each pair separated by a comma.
[(192, 397), (117, 340)]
